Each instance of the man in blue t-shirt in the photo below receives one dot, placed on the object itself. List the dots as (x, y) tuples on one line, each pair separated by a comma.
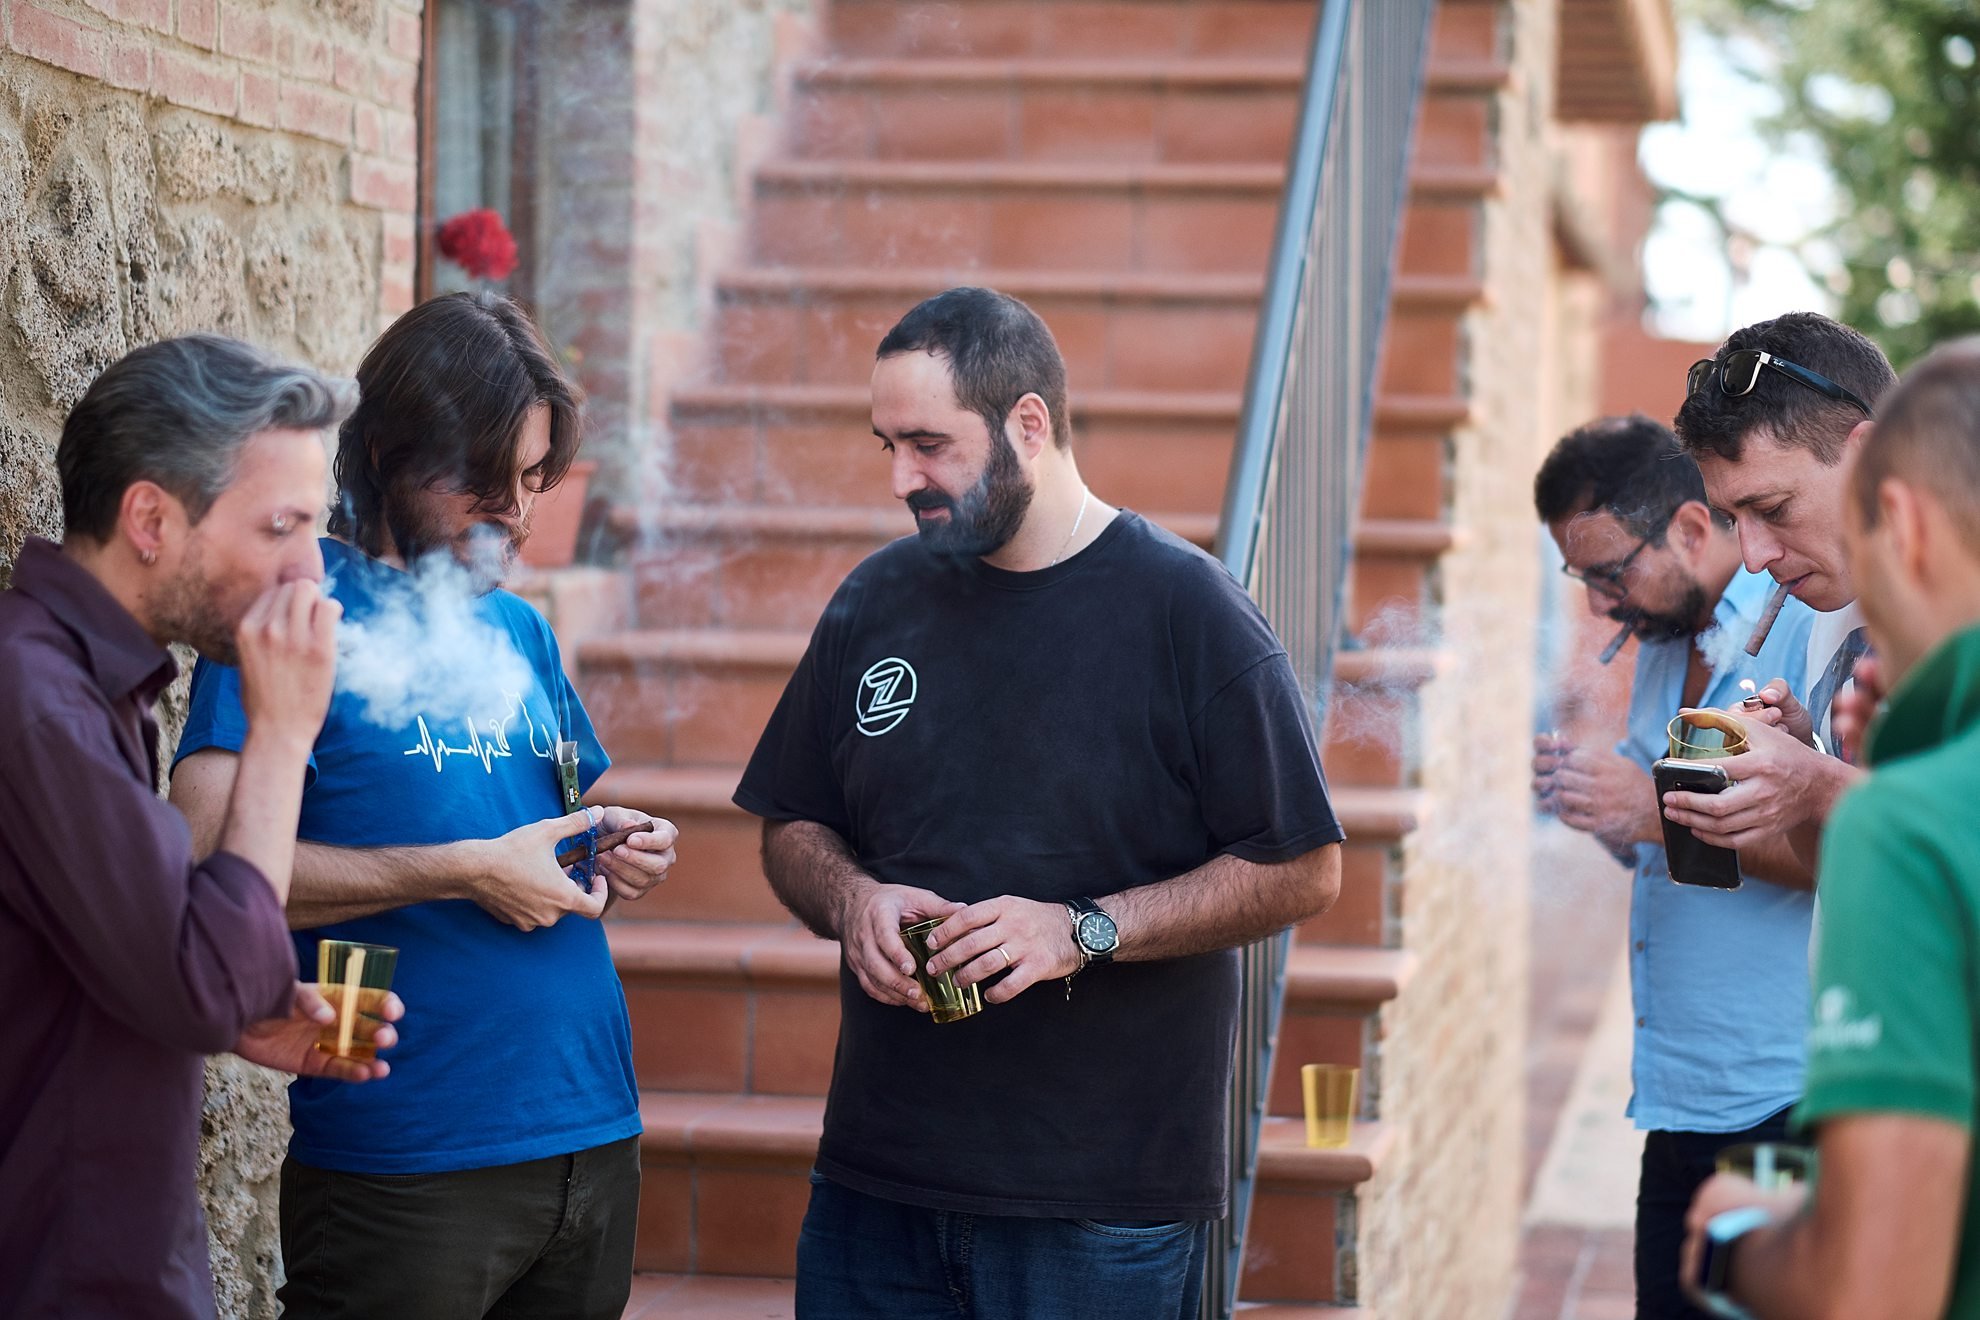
[(497, 1173), (1071, 736), (1718, 978)]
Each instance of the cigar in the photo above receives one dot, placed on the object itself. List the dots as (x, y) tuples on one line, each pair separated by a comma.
[(1767, 617), (606, 842), (1615, 644)]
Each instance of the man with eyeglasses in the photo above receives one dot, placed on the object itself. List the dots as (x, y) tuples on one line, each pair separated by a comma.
[(1719, 979), (1773, 419)]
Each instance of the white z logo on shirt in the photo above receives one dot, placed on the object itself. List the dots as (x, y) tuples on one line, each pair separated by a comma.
[(885, 693)]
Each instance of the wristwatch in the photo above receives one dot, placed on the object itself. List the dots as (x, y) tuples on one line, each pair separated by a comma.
[(1722, 1234), (1093, 931)]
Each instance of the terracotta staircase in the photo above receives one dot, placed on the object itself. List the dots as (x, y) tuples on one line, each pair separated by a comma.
[(1117, 166)]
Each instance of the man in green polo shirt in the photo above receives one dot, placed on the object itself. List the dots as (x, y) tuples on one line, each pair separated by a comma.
[(1894, 1047)]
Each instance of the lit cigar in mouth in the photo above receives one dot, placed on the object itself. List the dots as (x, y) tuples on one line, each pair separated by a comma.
[(606, 842), (1615, 644), (1767, 617)]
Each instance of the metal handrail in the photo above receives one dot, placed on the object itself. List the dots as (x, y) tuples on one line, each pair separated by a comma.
[(1295, 477)]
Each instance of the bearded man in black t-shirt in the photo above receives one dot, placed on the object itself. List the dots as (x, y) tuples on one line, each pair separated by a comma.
[(1074, 737)]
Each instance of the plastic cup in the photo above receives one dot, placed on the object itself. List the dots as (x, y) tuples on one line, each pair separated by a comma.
[(354, 978), (1329, 1090), (1773, 1166), (1705, 735), (947, 1001)]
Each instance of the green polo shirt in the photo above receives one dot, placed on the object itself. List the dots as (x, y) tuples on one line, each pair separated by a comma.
[(1896, 1004)]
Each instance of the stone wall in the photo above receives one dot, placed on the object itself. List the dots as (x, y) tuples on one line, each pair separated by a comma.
[(1439, 1230), (178, 165)]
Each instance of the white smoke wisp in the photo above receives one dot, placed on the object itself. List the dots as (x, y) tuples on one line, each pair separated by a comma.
[(425, 650), (1725, 654)]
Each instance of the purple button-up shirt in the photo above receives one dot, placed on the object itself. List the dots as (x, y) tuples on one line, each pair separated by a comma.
[(122, 961)]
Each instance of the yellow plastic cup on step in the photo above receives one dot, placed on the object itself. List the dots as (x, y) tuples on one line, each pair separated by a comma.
[(1329, 1090)]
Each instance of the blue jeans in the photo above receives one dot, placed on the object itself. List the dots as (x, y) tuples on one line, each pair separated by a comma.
[(860, 1258)]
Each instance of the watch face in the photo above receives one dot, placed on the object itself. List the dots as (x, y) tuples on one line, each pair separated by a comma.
[(1097, 933)]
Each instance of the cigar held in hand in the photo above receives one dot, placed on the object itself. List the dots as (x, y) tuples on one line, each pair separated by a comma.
[(606, 842)]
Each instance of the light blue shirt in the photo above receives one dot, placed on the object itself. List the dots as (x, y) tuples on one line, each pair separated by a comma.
[(1719, 978)]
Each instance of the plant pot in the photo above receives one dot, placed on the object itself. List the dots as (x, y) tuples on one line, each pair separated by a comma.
[(554, 521)]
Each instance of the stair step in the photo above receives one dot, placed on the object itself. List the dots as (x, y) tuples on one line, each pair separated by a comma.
[(719, 876), (711, 1297), (1145, 332), (1298, 1208), (1073, 29), (703, 696), (726, 1181), (1087, 214), (775, 566), (1107, 113), (1164, 109), (1374, 813), (753, 1008), (852, 403), (780, 650), (1284, 71), (811, 445), (874, 527), (801, 282)]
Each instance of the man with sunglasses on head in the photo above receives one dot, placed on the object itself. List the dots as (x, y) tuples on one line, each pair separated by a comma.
[(1773, 419), (1719, 980)]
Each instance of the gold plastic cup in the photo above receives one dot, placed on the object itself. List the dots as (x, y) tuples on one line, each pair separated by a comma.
[(355, 978), (1329, 1092), (1773, 1166), (947, 1001), (1705, 735)]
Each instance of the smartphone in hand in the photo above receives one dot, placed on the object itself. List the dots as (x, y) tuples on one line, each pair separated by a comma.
[(1693, 861)]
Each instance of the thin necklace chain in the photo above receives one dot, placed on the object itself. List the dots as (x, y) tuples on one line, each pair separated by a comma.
[(1085, 497)]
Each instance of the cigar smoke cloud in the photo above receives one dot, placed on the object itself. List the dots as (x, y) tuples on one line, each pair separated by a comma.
[(427, 650)]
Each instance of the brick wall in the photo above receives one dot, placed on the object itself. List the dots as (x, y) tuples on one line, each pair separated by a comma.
[(645, 201), (1439, 1227)]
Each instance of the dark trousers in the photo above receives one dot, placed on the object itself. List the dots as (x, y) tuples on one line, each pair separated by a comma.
[(1675, 1165), (863, 1258), (550, 1239)]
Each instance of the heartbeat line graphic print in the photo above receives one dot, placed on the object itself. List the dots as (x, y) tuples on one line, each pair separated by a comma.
[(487, 740)]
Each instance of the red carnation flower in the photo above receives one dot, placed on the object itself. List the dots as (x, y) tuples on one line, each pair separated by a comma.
[(479, 243)]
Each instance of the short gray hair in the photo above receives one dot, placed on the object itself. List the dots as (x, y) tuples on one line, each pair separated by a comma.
[(177, 413)]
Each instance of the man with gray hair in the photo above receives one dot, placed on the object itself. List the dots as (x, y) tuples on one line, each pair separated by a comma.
[(191, 474)]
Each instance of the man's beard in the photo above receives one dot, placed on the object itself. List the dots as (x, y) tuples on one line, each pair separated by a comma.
[(485, 549), (1691, 617), (988, 515), (189, 609)]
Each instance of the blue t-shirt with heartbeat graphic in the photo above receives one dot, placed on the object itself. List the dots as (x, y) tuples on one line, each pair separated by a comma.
[(515, 1045)]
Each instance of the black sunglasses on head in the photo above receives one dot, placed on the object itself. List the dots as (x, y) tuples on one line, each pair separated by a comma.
[(1739, 372)]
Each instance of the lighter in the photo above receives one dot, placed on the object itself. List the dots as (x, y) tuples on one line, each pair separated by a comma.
[(569, 795)]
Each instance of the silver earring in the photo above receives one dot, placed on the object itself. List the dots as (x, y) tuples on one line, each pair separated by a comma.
[(148, 557)]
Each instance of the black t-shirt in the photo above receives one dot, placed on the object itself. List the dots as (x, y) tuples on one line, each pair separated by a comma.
[(1115, 720)]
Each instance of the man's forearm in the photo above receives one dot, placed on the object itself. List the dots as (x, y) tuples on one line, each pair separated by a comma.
[(1778, 862), (1223, 903), (342, 884), (260, 822), (813, 873)]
